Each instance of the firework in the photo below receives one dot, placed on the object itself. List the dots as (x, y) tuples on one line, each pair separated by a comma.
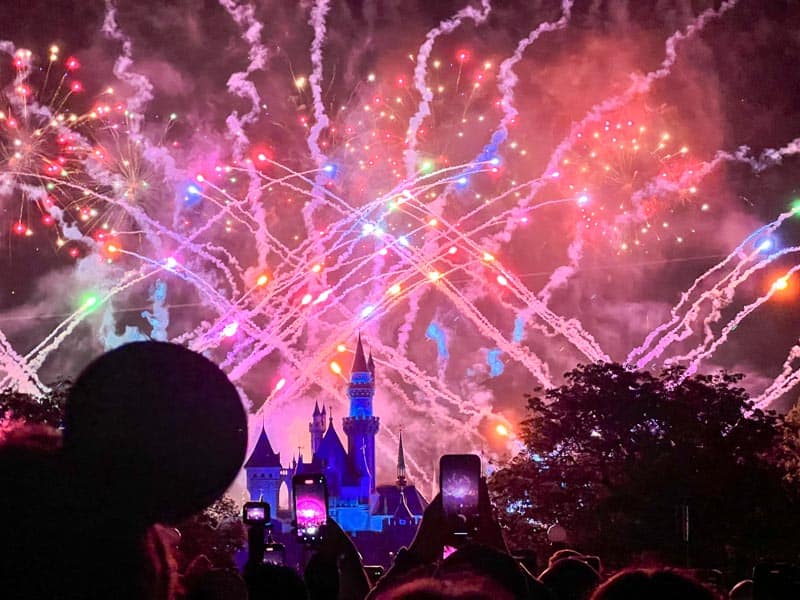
[(417, 208)]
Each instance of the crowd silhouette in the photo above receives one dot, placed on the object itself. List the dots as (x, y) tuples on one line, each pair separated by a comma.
[(154, 432)]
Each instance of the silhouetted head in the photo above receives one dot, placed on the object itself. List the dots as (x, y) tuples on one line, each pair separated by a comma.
[(160, 427), (570, 579), (216, 584), (467, 587), (653, 584), (476, 560), (57, 543), (152, 432), (742, 590), (593, 561), (563, 553), (528, 559), (274, 582), (321, 577)]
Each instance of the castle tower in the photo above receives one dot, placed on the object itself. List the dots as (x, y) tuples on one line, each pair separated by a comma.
[(361, 426), (317, 428), (264, 473)]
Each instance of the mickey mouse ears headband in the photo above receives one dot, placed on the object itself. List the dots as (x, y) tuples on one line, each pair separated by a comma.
[(160, 428)]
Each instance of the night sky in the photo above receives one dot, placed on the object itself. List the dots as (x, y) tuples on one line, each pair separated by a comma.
[(485, 221)]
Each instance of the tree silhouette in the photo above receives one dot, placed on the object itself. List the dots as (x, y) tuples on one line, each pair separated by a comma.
[(17, 408), (216, 532), (614, 454)]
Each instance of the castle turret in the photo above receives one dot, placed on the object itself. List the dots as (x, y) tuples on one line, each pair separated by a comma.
[(361, 426), (317, 428)]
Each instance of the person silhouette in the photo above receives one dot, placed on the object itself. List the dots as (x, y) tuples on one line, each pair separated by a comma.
[(153, 432)]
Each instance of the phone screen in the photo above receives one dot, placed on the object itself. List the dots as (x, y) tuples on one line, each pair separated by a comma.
[(255, 513), (310, 506), (459, 479), (274, 554)]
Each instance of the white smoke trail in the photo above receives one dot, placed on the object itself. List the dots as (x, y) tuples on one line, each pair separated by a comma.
[(19, 373), (783, 383), (719, 298), (321, 121), (660, 186), (640, 85), (239, 84), (678, 323), (421, 72), (562, 274), (141, 85), (508, 78), (703, 353)]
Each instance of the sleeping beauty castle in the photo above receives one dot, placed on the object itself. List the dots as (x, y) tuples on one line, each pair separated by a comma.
[(377, 516)]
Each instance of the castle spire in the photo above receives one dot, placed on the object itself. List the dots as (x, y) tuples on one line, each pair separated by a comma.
[(401, 463), (371, 364), (359, 362), (316, 428)]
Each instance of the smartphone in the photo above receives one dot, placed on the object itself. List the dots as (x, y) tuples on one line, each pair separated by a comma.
[(459, 477), (274, 554), (255, 512), (310, 493)]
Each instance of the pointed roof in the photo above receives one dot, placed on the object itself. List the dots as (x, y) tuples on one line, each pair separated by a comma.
[(401, 463), (330, 448), (263, 455), (359, 362), (389, 497), (371, 363), (316, 408), (402, 511), (304, 467)]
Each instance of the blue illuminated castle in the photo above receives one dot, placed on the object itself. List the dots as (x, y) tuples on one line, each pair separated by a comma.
[(360, 506)]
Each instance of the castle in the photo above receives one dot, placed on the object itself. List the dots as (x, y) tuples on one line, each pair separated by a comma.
[(363, 508)]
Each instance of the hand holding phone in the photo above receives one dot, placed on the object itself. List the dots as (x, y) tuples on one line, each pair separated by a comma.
[(310, 493), (275, 554), (459, 480), (256, 513)]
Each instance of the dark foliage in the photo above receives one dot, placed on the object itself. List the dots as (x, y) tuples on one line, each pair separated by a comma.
[(217, 532), (17, 407), (613, 454)]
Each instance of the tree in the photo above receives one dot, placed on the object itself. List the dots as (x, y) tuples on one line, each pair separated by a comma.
[(17, 408), (217, 532), (613, 455)]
